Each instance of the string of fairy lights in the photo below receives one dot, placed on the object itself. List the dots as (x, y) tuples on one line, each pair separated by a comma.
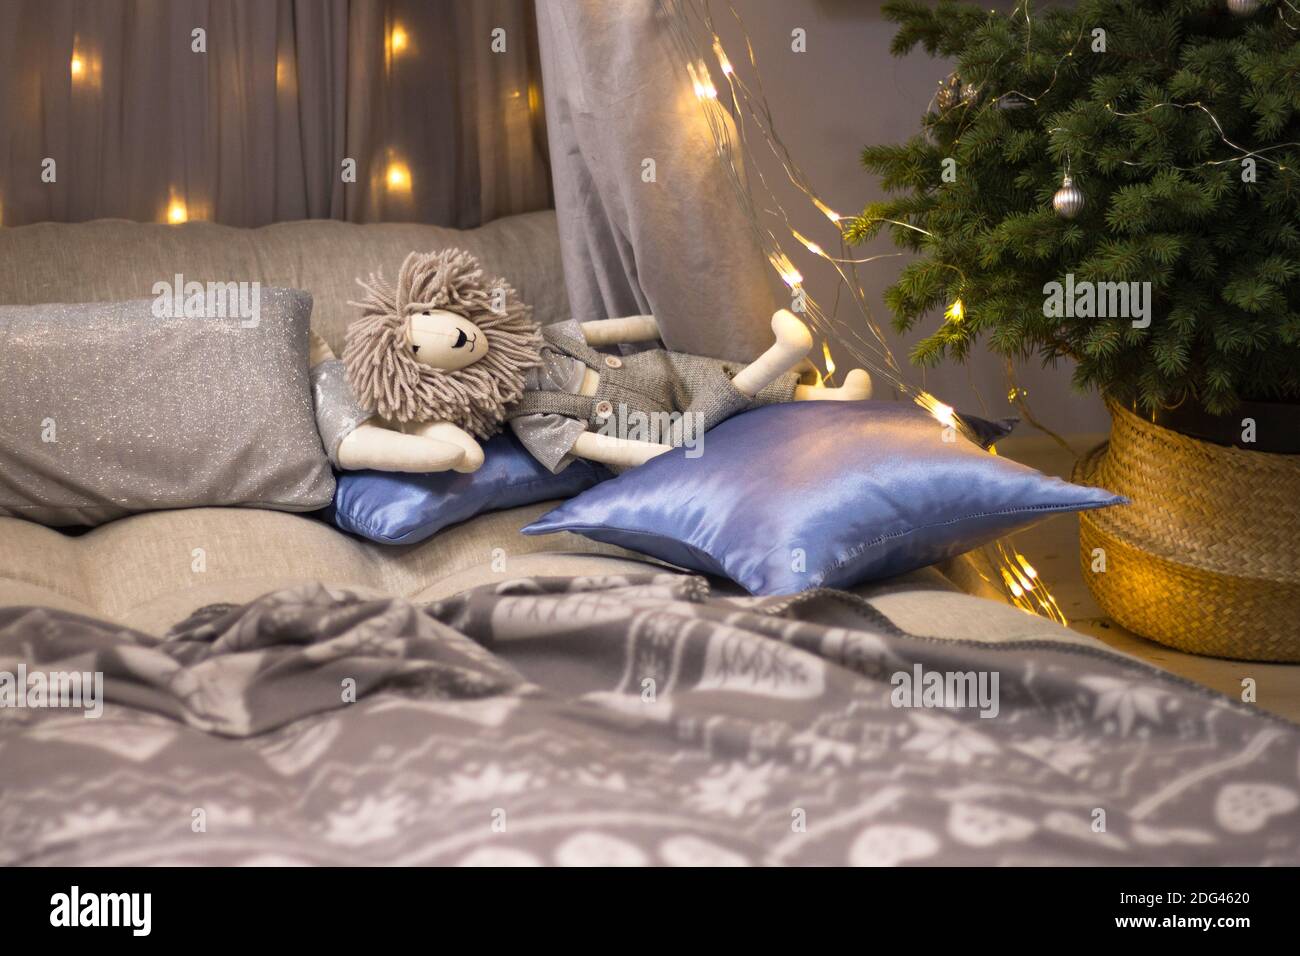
[(86, 69), (731, 131)]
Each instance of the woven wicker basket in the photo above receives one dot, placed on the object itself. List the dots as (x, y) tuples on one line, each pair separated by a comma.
[(1207, 557)]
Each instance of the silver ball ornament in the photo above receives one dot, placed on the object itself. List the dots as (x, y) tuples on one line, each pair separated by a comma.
[(1068, 201), (1242, 8)]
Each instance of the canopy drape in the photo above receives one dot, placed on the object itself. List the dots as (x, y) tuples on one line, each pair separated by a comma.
[(649, 222)]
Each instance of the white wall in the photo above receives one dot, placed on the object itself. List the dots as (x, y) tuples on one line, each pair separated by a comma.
[(847, 91)]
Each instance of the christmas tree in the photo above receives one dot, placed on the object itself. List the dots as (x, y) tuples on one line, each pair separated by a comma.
[(1178, 126)]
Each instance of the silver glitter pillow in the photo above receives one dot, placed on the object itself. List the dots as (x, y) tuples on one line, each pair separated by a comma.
[(111, 408)]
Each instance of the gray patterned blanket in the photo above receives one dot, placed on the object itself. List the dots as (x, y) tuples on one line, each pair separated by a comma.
[(618, 720)]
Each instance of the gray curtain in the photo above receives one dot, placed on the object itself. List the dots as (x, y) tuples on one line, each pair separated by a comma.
[(678, 246), (443, 129)]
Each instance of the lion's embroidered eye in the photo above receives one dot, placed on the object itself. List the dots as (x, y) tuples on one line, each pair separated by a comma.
[(415, 350)]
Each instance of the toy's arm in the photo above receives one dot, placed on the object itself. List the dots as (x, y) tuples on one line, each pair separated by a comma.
[(618, 452), (448, 434), (629, 328), (382, 449), (354, 441)]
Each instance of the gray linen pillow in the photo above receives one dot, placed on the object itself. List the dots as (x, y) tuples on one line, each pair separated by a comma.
[(109, 409)]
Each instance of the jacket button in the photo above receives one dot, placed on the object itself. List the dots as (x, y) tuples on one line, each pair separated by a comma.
[(604, 409), (613, 361)]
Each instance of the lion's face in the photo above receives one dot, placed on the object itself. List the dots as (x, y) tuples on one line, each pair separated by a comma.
[(446, 341)]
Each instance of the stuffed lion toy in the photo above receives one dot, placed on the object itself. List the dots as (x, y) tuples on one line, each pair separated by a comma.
[(447, 356)]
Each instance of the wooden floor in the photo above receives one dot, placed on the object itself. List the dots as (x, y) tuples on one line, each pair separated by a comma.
[(1053, 548)]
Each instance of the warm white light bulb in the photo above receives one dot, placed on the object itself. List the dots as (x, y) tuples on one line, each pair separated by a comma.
[(808, 243), (827, 211), (398, 177), (942, 413), (722, 58)]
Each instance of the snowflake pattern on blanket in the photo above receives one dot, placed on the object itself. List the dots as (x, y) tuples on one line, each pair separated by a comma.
[(619, 721)]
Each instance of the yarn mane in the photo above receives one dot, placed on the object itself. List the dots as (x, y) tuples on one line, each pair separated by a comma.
[(386, 378)]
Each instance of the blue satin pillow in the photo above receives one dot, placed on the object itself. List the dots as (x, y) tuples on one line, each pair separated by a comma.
[(818, 494), (396, 508)]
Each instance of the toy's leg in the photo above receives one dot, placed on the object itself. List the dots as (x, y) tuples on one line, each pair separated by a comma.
[(857, 386), (618, 452), (793, 340)]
